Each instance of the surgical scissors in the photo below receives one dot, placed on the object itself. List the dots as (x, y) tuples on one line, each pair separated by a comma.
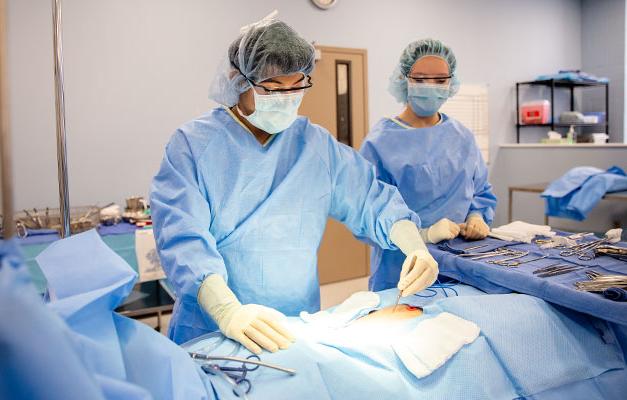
[(236, 376), (241, 384), (582, 249)]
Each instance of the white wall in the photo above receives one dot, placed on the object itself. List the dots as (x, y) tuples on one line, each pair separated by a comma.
[(603, 54), (136, 69)]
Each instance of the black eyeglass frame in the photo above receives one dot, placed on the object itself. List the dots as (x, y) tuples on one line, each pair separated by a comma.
[(420, 78), (308, 85)]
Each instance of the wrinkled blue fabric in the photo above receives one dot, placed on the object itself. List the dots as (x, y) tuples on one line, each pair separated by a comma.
[(557, 289), (577, 192), (38, 359), (610, 385), (440, 173), (527, 348), (615, 294), (534, 340), (573, 77), (224, 204), (76, 347)]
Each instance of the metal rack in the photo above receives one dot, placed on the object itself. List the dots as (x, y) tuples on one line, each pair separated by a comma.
[(5, 154), (158, 304), (561, 84)]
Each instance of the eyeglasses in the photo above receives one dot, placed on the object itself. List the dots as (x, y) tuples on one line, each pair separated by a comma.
[(305, 83), (440, 80)]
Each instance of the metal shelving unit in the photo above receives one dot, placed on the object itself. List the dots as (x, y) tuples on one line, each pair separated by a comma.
[(561, 84)]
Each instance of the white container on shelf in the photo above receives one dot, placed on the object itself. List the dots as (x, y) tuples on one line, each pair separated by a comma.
[(599, 138)]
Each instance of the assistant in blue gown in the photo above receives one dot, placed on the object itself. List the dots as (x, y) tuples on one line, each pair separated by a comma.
[(222, 203), (440, 173), (438, 167)]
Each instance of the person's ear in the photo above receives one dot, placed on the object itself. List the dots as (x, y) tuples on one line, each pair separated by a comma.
[(246, 102)]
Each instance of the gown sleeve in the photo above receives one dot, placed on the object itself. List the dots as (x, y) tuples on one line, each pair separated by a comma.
[(365, 204), (181, 216)]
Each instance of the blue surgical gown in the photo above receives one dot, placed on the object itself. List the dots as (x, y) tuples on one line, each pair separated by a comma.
[(224, 204), (438, 170)]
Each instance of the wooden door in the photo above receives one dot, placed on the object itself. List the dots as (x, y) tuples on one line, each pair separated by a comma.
[(338, 101)]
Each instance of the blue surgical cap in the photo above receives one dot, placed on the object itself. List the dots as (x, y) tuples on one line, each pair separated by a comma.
[(412, 53), (263, 50)]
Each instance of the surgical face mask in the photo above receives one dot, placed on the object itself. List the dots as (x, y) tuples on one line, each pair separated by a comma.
[(425, 99), (275, 112)]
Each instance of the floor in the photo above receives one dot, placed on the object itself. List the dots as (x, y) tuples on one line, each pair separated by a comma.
[(330, 295)]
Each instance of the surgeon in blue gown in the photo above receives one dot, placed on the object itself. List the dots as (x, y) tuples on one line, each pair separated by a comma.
[(430, 157), (243, 193)]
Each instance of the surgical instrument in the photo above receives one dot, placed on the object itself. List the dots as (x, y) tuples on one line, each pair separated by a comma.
[(500, 250), (513, 256), (506, 263), (39, 222), (236, 381), (583, 250), (559, 271), (576, 236), (561, 241), (236, 376), (446, 247), (36, 223), (599, 282), (592, 274), (203, 357), (619, 253), (411, 267), (20, 230), (490, 254), (551, 267), (475, 247)]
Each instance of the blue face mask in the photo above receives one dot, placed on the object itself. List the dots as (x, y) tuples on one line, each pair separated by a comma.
[(425, 99), (275, 113)]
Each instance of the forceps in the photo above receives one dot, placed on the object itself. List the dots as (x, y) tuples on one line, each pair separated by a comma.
[(487, 254), (475, 247), (550, 268), (506, 262), (555, 269)]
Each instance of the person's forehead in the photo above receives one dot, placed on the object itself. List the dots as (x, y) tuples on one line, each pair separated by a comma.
[(286, 79), (430, 65)]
